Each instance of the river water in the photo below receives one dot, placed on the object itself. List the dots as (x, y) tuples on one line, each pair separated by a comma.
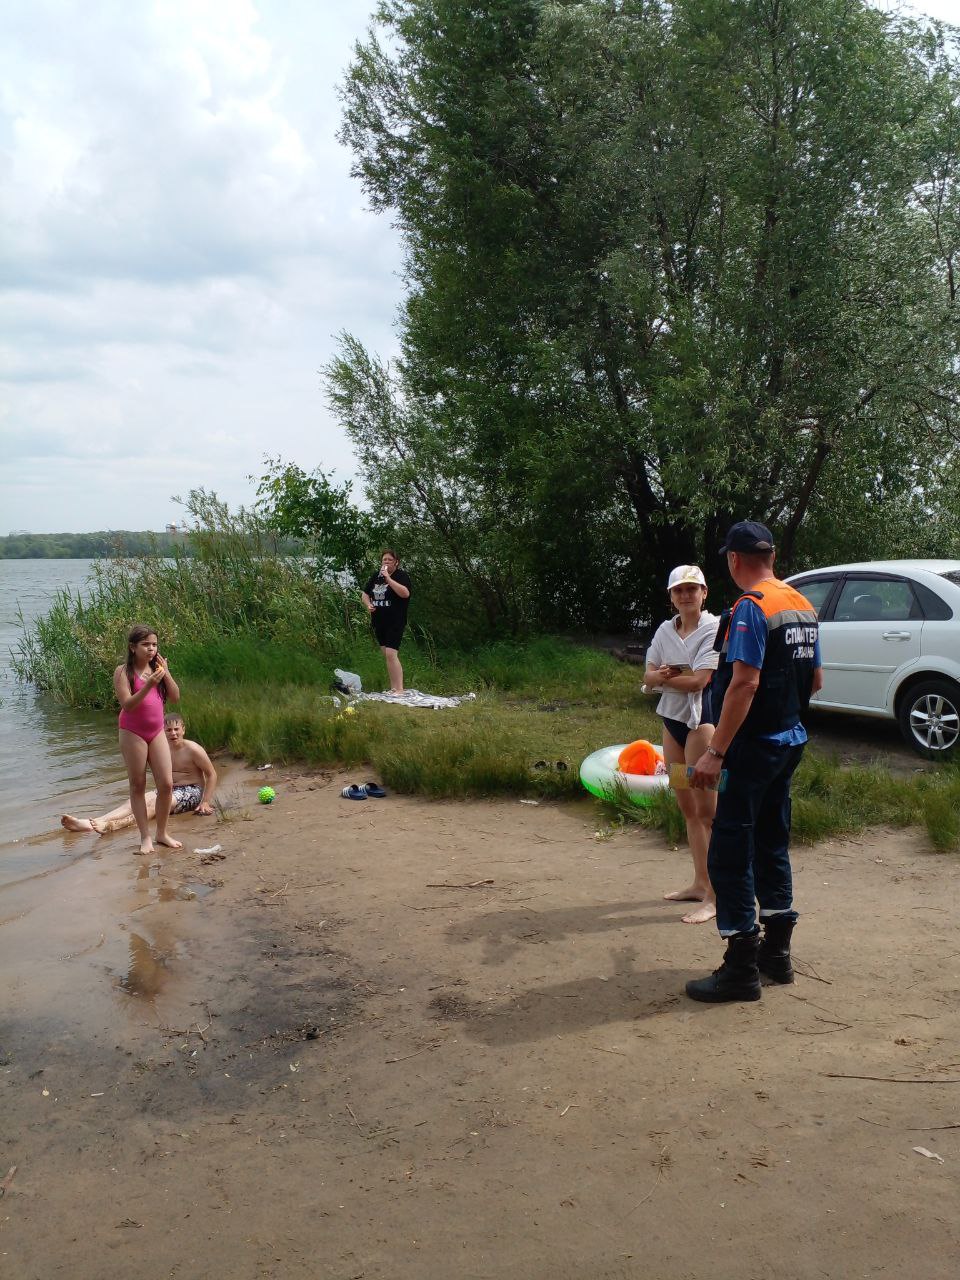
[(52, 758), (84, 925)]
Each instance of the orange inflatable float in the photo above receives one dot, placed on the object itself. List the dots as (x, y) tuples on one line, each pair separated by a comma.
[(636, 769)]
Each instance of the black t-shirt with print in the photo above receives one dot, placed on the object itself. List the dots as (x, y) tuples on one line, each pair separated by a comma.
[(390, 610)]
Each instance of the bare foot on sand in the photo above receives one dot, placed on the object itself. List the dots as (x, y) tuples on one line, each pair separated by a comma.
[(70, 823), (169, 843), (694, 894), (704, 913), (146, 846)]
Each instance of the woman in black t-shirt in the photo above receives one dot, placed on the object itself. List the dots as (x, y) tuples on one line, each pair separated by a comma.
[(386, 598)]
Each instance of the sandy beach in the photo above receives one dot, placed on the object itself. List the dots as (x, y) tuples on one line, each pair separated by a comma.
[(397, 1040)]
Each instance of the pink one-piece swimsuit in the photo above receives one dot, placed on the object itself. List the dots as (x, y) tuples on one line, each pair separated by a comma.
[(146, 719)]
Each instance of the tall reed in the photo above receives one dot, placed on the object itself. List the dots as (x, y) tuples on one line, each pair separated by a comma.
[(235, 587)]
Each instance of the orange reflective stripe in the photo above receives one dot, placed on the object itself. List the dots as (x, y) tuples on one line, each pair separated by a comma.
[(776, 597)]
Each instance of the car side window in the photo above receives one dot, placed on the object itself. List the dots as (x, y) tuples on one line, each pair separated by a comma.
[(934, 608), (817, 591), (875, 600)]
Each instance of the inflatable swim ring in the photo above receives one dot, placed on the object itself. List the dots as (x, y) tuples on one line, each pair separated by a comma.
[(601, 775)]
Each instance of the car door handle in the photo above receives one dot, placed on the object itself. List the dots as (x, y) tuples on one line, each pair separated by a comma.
[(897, 635)]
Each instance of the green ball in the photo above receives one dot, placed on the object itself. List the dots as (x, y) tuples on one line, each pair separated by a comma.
[(266, 795)]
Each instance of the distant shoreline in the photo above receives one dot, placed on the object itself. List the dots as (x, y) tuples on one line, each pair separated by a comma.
[(111, 544), (90, 546)]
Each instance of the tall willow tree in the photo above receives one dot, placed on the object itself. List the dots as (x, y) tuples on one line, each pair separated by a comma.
[(668, 264)]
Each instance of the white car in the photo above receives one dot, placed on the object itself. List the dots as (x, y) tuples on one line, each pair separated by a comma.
[(890, 641)]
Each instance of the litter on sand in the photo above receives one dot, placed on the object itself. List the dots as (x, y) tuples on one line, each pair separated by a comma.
[(214, 848), (931, 1155)]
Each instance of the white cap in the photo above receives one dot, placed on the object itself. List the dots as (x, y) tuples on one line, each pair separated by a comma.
[(684, 573)]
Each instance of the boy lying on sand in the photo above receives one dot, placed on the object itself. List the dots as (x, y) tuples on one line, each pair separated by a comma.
[(194, 785)]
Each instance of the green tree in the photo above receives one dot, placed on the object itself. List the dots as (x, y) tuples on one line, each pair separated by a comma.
[(668, 265), (443, 519), (309, 506)]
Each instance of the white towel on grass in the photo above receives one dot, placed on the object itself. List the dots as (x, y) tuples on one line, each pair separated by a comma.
[(414, 698)]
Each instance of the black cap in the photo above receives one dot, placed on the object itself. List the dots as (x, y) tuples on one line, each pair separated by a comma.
[(748, 536)]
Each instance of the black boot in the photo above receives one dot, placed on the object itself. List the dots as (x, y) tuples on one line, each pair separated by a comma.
[(738, 978), (773, 958)]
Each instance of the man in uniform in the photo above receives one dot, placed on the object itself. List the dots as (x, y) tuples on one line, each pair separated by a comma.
[(769, 667)]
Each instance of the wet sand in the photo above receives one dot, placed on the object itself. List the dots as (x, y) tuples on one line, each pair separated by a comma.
[(398, 1040)]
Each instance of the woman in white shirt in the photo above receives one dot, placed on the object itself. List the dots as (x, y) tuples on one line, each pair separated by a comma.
[(681, 661)]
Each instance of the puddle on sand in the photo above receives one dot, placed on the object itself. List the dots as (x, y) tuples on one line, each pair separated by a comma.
[(150, 965), (151, 962), (151, 881)]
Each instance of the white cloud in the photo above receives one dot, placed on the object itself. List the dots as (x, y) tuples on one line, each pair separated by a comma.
[(154, 146), (942, 10), (179, 242)]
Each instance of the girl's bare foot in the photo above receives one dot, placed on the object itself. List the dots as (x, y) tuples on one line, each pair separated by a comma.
[(694, 894), (708, 911), (169, 843), (69, 823), (146, 846)]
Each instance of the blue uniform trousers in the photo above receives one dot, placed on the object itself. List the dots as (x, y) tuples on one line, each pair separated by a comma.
[(749, 858)]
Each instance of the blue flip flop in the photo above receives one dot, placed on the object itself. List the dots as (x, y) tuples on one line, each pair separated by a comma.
[(354, 793), (374, 790)]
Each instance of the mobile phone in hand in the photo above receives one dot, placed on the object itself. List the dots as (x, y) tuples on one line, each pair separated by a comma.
[(680, 775)]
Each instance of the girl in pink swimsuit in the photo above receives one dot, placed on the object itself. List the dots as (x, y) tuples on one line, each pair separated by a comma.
[(143, 685)]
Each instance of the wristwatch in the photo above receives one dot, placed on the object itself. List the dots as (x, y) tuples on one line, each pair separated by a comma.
[(712, 751)]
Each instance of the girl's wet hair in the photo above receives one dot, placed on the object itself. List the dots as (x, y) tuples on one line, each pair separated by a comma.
[(135, 636)]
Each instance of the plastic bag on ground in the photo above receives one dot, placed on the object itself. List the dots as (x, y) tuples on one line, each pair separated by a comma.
[(347, 681)]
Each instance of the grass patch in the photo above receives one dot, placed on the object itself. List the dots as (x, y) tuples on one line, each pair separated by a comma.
[(490, 746), (831, 801), (940, 809), (660, 813)]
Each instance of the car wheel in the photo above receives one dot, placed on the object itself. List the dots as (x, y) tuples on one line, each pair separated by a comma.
[(930, 718)]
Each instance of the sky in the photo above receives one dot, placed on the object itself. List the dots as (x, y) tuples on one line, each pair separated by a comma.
[(180, 243)]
